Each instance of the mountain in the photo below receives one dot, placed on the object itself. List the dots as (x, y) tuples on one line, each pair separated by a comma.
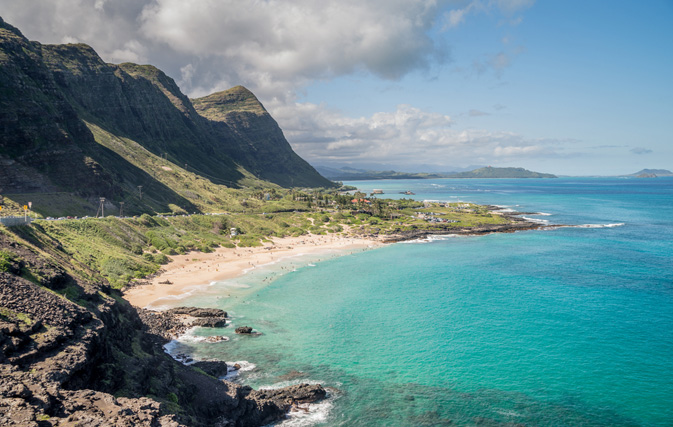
[(351, 174), (254, 139), (652, 173), (73, 125), (490, 172)]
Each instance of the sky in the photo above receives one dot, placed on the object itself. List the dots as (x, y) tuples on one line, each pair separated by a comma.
[(567, 87)]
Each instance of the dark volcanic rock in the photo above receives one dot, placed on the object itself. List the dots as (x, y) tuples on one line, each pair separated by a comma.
[(244, 330), (210, 322), (174, 322), (198, 312), (211, 367), (301, 393), (62, 363)]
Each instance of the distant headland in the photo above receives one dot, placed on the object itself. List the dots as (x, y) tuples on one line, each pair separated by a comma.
[(352, 174)]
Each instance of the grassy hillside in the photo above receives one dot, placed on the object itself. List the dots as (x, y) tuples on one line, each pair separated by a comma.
[(121, 249)]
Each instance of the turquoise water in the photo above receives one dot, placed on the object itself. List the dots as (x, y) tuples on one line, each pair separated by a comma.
[(568, 326)]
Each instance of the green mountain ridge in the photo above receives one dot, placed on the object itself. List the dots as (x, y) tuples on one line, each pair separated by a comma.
[(491, 172), (74, 125), (352, 174)]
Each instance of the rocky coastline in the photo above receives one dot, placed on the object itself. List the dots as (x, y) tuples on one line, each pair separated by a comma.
[(517, 223), (94, 360), (74, 352)]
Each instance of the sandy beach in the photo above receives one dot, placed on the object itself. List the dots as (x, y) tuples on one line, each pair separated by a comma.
[(200, 269)]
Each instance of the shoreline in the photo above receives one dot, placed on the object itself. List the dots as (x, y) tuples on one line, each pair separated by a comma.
[(198, 270)]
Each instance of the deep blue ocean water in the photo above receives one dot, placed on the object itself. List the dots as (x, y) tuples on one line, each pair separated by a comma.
[(566, 326)]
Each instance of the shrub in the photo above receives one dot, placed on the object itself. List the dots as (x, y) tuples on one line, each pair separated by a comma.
[(6, 260), (161, 259), (147, 220)]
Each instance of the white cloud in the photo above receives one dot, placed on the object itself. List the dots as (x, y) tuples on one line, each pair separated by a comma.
[(509, 8), (276, 48), (280, 45), (405, 135), (273, 47)]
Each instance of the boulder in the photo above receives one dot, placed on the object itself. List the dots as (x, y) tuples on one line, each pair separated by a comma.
[(214, 368), (197, 312), (210, 322), (300, 393), (244, 330)]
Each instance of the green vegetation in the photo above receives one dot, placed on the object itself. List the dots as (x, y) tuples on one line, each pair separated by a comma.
[(8, 314), (6, 260), (124, 249)]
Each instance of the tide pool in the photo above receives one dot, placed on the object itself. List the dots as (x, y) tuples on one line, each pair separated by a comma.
[(568, 326)]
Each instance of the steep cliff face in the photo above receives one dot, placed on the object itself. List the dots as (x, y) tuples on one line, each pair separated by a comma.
[(255, 140), (52, 97), (43, 144)]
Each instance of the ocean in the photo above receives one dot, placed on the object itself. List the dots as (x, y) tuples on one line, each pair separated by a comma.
[(565, 326)]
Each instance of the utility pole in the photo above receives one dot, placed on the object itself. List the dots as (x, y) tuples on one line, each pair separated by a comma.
[(101, 207), (140, 191), (121, 209)]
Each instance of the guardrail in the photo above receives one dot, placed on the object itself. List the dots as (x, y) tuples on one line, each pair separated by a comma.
[(11, 221)]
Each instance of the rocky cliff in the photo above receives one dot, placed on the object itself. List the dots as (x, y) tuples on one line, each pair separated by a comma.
[(254, 138), (69, 122), (72, 352)]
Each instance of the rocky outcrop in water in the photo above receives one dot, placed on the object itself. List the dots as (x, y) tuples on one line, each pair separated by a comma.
[(172, 323)]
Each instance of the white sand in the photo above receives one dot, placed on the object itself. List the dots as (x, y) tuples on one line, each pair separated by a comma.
[(196, 268)]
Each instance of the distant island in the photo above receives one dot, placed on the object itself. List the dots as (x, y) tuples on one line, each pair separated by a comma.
[(652, 173), (352, 174), (491, 172)]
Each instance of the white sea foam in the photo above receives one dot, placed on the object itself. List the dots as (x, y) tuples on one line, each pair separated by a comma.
[(190, 337), (245, 366), (433, 238), (313, 414), (543, 214), (536, 220), (307, 414), (617, 224), (171, 348)]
